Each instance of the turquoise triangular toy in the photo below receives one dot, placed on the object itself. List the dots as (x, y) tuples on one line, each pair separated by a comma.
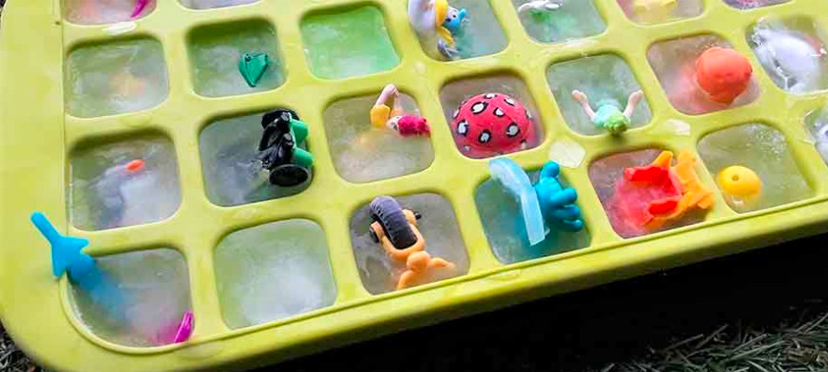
[(253, 66)]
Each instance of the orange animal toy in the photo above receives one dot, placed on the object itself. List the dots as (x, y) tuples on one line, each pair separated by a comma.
[(724, 74)]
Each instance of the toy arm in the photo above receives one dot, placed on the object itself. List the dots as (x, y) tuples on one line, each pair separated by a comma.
[(300, 130), (582, 98), (440, 263), (550, 170), (632, 102), (390, 92), (405, 280)]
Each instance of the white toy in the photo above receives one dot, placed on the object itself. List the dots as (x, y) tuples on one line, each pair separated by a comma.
[(540, 6), (435, 21), (786, 54)]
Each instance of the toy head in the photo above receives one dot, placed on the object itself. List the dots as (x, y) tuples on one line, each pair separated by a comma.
[(492, 124), (418, 261), (723, 74), (454, 19)]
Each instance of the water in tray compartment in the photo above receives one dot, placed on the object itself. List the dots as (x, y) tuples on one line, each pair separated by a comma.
[(115, 78), (349, 43), (124, 183), (675, 64), (655, 12), (764, 150), (364, 153), (792, 51), (603, 78), (273, 271), (438, 225), (233, 173), (141, 300), (215, 53), (210, 4), (751, 4), (94, 12), (549, 23), (505, 228), (817, 125)]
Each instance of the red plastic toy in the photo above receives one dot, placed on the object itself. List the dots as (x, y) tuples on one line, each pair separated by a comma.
[(724, 74), (492, 124)]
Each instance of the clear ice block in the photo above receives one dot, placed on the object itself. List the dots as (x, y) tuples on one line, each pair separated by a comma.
[(95, 12), (349, 43), (764, 150), (364, 153), (817, 125), (604, 78), (608, 172), (638, 11), (751, 4), (215, 53), (505, 228), (233, 173), (379, 272), (115, 78), (480, 34), (273, 271), (143, 295), (792, 51), (572, 20), (674, 62), (456, 92), (106, 191), (211, 4)]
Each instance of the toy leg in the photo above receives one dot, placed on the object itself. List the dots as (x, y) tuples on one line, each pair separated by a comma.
[(550, 170), (582, 98), (302, 157), (300, 131), (566, 197), (390, 92), (632, 102)]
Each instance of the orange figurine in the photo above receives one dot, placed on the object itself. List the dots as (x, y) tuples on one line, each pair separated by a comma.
[(694, 193), (724, 74), (421, 267)]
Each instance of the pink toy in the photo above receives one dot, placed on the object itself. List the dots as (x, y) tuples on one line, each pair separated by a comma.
[(140, 5)]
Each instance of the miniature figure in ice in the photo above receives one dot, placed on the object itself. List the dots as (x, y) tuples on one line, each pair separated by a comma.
[(492, 124), (113, 188), (178, 332), (652, 11), (650, 197), (547, 203), (396, 230), (741, 187), (435, 21), (793, 58), (557, 202), (253, 67), (140, 5), (279, 149), (609, 115), (723, 74), (393, 117), (540, 6)]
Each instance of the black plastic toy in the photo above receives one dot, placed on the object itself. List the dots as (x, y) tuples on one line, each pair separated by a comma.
[(280, 151)]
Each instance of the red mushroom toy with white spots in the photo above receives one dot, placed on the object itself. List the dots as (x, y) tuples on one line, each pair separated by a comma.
[(492, 124)]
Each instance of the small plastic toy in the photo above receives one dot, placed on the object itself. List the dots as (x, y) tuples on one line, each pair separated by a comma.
[(652, 11), (741, 186), (279, 150), (396, 230), (420, 265), (67, 255), (557, 202), (516, 182), (652, 196), (609, 116), (110, 190), (253, 67), (434, 21), (140, 5), (179, 333), (382, 114), (793, 58), (723, 74), (547, 203), (822, 138), (492, 124), (540, 6)]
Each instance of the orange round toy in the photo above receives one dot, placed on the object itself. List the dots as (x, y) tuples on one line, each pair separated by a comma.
[(723, 74)]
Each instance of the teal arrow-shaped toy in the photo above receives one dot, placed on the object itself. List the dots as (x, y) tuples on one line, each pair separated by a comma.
[(253, 66)]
